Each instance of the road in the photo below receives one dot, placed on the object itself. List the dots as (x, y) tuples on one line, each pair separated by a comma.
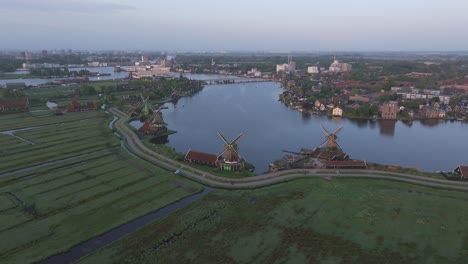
[(138, 148)]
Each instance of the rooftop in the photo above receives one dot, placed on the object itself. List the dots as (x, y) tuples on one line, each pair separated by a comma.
[(201, 156)]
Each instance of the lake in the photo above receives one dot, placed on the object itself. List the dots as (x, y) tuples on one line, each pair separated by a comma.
[(270, 127)]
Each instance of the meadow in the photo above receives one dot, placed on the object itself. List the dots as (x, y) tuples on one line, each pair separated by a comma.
[(306, 221), (79, 184)]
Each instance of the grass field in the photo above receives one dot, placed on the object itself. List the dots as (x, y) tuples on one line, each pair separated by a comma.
[(56, 138), (96, 186), (306, 221)]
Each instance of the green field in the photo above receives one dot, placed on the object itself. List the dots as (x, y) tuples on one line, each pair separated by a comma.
[(7, 202), (88, 186), (306, 221), (56, 138)]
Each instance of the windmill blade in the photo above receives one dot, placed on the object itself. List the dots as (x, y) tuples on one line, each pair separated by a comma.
[(223, 138), (338, 130), (338, 145), (235, 152), (323, 143), (222, 152), (237, 138), (324, 129)]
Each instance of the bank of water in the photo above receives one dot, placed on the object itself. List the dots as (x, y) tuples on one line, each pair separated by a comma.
[(270, 127)]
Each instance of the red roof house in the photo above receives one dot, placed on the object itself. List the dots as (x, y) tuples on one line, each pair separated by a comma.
[(201, 158)]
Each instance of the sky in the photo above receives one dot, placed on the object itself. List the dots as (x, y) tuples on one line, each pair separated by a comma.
[(235, 25)]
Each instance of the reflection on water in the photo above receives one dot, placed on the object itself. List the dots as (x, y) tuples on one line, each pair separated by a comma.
[(387, 127), (432, 122)]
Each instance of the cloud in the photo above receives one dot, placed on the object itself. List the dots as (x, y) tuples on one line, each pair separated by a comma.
[(50, 6)]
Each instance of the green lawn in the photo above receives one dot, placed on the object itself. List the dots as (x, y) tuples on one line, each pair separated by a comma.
[(96, 188), (7, 202), (306, 221)]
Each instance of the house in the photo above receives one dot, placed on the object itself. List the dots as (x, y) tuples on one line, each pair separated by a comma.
[(75, 106), (15, 86), (348, 164), (389, 110), (432, 112), (201, 158), (317, 103), (14, 105), (462, 171), (337, 111)]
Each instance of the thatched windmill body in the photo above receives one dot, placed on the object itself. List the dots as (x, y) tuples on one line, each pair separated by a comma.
[(331, 140), (145, 106), (155, 125), (229, 158), (157, 121)]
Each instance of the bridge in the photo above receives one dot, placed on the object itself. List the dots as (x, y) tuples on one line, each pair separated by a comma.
[(231, 81)]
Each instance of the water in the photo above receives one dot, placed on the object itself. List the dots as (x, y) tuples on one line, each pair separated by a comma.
[(270, 127)]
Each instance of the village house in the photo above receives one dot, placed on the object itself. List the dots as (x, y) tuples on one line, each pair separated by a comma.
[(15, 86), (431, 112), (462, 171), (14, 105), (75, 106), (201, 158), (389, 110), (337, 111)]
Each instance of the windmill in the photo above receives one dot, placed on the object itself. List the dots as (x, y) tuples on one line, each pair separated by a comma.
[(331, 139), (231, 160), (157, 120), (175, 95), (145, 106)]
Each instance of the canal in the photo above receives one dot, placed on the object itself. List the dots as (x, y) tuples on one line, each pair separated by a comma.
[(270, 127)]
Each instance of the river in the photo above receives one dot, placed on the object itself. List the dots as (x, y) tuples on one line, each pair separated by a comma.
[(270, 127)]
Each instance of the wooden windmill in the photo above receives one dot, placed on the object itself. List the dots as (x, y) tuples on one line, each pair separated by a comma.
[(231, 160), (157, 120), (145, 106), (331, 139), (230, 149)]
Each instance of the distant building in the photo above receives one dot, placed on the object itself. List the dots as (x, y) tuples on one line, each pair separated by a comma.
[(144, 58), (14, 105), (431, 112), (288, 68), (254, 72), (337, 111), (313, 69), (337, 67), (26, 55), (40, 65), (445, 99), (44, 53), (75, 106), (15, 86), (151, 72), (389, 110)]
